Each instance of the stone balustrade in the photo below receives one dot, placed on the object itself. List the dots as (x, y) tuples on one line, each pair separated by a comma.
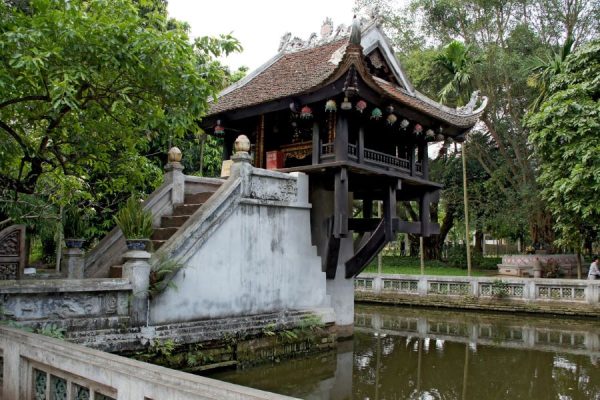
[(568, 296), (37, 367)]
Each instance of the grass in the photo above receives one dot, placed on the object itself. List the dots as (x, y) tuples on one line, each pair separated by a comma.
[(411, 266)]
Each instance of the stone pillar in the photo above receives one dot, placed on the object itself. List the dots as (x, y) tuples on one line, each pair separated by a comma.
[(137, 270), (73, 263), (174, 175), (242, 162)]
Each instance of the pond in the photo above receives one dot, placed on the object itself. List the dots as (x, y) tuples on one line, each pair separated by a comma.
[(404, 353)]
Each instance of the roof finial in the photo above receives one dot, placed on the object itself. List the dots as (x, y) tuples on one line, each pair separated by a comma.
[(355, 33)]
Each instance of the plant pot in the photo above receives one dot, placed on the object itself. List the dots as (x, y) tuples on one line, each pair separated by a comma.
[(138, 244), (74, 243)]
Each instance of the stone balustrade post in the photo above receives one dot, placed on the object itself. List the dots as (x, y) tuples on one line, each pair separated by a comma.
[(242, 163), (73, 263), (174, 175), (137, 270), (422, 286)]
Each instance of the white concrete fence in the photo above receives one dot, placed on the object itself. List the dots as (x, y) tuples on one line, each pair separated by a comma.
[(529, 289), (37, 367)]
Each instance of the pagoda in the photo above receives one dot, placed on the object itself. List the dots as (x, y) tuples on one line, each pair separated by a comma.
[(340, 109)]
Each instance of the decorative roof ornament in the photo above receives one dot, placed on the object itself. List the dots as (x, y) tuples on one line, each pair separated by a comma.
[(361, 105), (351, 83), (376, 114), (330, 106), (355, 31)]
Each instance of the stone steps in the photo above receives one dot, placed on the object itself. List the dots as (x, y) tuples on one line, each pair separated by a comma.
[(170, 224)]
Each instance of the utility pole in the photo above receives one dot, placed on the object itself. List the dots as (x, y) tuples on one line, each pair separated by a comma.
[(466, 201)]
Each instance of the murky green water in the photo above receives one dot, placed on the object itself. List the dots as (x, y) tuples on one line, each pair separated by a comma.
[(400, 353)]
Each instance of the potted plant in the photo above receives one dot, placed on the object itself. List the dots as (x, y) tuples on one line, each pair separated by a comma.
[(74, 226), (136, 224)]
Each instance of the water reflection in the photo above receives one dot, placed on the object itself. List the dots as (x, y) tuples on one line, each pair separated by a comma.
[(400, 353)]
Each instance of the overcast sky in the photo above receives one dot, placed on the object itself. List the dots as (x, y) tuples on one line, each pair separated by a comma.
[(259, 24)]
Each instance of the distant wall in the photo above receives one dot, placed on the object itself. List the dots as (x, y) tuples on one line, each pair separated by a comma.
[(248, 251)]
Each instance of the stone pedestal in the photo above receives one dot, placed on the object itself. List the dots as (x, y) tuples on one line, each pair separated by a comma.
[(137, 270), (72, 263)]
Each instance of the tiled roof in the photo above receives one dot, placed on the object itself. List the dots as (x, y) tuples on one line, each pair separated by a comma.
[(290, 74), (430, 107)]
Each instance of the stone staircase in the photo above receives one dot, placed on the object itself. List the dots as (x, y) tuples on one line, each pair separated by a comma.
[(169, 224)]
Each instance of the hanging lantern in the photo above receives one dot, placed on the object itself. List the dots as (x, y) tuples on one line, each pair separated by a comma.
[(346, 105), (439, 137), (418, 129), (330, 106), (376, 114), (391, 119), (219, 130), (361, 105), (430, 134), (389, 109), (404, 124), (306, 112)]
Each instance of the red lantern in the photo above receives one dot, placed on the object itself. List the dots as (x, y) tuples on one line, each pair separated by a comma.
[(306, 112)]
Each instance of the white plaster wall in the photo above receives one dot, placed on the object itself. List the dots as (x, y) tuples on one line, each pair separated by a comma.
[(259, 260)]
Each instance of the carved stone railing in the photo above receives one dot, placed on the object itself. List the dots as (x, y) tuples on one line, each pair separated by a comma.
[(38, 367), (530, 290), (12, 252)]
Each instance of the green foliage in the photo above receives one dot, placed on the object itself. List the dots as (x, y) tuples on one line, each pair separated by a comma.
[(91, 95), (75, 223), (564, 134), (499, 289), (411, 266), (160, 275), (52, 330), (133, 220)]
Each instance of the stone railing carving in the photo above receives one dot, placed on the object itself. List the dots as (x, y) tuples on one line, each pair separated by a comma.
[(12, 252), (564, 290), (38, 367)]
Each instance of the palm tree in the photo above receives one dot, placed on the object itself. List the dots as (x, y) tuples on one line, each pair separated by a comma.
[(458, 60), (543, 70)]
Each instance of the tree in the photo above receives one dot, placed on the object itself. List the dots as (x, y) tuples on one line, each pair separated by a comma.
[(564, 134), (92, 93), (457, 60)]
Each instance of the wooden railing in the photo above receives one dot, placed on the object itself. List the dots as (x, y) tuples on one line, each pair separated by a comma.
[(386, 160)]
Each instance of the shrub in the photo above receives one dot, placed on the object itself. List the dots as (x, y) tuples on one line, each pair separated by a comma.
[(134, 221)]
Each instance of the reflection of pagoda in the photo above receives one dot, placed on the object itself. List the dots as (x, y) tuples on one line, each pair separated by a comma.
[(341, 110)]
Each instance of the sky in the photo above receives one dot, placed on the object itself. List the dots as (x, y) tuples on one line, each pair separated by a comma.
[(258, 24)]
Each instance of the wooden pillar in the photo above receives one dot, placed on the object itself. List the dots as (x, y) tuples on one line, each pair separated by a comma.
[(389, 210), (341, 138), (413, 160), (367, 208), (424, 213), (316, 144), (361, 144), (424, 160), (259, 148), (340, 209)]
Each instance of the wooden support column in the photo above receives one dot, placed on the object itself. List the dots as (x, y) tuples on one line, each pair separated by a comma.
[(259, 147), (361, 144), (425, 214), (341, 138), (389, 210), (367, 208), (424, 157), (316, 144), (413, 160), (340, 210)]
